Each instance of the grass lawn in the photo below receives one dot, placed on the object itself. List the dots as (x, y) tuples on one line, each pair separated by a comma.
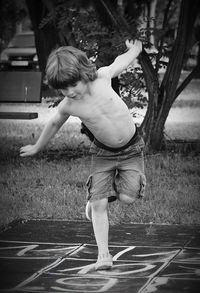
[(52, 184)]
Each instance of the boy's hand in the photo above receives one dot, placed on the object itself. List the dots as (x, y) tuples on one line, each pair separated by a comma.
[(28, 150), (136, 45)]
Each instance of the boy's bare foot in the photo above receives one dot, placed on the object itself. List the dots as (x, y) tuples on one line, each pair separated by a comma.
[(104, 262)]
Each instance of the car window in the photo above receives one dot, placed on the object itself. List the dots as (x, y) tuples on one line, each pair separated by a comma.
[(23, 41)]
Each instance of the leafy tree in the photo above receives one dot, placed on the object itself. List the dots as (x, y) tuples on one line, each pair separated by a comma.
[(47, 37), (11, 13), (59, 22), (162, 94)]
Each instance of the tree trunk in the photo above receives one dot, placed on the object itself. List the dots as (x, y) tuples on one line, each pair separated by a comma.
[(46, 38), (152, 85), (152, 13), (197, 40), (157, 139), (197, 74), (161, 98), (167, 92)]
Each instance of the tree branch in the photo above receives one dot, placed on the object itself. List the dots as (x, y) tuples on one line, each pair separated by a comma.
[(48, 4), (165, 20), (186, 81)]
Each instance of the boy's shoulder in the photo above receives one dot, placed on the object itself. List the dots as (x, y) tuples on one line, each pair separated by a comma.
[(104, 72), (64, 106)]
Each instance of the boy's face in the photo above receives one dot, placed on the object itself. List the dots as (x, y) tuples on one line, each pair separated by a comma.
[(75, 91)]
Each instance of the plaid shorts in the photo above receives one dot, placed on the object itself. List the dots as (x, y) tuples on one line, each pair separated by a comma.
[(117, 171)]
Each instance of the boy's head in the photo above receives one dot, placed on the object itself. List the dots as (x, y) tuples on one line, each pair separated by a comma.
[(68, 65)]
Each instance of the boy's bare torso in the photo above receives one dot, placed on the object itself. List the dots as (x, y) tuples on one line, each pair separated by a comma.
[(103, 112)]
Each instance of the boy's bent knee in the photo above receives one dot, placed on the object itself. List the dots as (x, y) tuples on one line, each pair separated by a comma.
[(135, 189), (126, 199)]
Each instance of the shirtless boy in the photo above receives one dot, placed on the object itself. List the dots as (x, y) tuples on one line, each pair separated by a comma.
[(117, 168)]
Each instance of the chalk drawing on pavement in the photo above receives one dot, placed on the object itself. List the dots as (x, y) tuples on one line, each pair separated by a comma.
[(70, 267)]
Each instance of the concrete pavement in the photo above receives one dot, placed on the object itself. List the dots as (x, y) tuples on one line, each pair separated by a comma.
[(58, 256)]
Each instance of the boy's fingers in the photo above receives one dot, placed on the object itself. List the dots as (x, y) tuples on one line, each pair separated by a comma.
[(21, 154), (129, 41), (23, 151), (24, 154)]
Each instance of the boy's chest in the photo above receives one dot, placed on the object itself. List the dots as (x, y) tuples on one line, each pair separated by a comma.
[(89, 108), (83, 108)]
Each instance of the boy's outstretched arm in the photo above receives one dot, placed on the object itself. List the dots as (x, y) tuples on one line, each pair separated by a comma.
[(124, 60), (51, 128)]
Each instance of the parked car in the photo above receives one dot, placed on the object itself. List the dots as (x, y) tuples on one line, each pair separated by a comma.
[(20, 53)]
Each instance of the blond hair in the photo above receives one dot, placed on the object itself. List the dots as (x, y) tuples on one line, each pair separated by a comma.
[(68, 65)]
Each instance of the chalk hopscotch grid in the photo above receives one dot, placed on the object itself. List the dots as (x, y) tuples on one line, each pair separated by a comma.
[(81, 270)]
